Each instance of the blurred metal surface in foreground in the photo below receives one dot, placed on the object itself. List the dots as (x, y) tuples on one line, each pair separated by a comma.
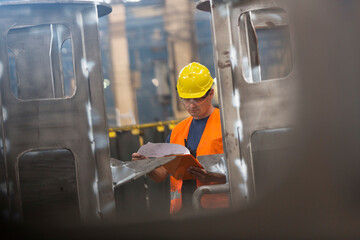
[(52, 108), (257, 93)]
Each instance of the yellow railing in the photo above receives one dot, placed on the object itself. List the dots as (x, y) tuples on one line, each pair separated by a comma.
[(135, 129)]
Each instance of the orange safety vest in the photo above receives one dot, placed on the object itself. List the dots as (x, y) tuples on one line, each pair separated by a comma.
[(210, 143)]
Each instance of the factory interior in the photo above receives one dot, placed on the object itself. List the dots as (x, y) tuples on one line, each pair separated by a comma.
[(86, 84)]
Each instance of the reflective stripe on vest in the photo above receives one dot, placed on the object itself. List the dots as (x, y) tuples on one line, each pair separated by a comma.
[(175, 195), (210, 143)]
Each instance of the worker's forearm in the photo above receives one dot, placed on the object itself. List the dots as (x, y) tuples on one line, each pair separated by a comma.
[(158, 175)]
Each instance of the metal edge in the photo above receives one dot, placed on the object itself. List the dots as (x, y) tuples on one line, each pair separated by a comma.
[(103, 7)]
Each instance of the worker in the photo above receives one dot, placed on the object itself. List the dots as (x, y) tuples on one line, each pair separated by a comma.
[(201, 134)]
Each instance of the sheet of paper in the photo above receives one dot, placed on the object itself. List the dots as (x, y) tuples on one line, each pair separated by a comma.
[(162, 149)]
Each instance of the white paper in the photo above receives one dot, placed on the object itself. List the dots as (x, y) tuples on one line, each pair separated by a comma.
[(162, 149)]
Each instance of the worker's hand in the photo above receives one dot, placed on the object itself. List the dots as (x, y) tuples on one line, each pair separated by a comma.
[(206, 177), (137, 156)]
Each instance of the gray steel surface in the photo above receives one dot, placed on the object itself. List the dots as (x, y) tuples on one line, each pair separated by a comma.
[(247, 103), (213, 163), (123, 172), (37, 115)]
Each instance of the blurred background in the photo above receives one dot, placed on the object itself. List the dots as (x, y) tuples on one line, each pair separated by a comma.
[(144, 45)]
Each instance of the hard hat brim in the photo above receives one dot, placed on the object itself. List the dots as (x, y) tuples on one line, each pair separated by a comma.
[(193, 95)]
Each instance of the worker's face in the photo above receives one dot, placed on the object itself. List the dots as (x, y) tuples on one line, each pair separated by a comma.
[(199, 108)]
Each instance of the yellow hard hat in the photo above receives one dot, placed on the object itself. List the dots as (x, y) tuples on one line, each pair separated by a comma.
[(194, 81)]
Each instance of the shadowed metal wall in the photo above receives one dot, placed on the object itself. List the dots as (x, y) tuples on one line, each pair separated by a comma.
[(53, 127)]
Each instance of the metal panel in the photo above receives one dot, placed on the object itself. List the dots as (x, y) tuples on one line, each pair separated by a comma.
[(48, 187), (124, 172), (142, 198), (77, 123), (246, 106), (137, 197)]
